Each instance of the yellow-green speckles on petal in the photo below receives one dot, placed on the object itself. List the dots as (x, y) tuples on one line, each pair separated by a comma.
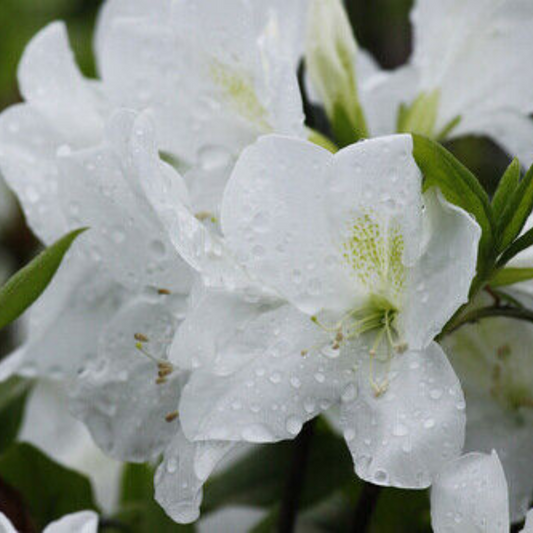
[(238, 90), (374, 253)]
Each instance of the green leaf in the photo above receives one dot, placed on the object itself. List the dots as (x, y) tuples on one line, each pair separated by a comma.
[(401, 511), (47, 489), (521, 244), (509, 276), (506, 188), (13, 394), (28, 284), (459, 186), (516, 212), (259, 479), (138, 509)]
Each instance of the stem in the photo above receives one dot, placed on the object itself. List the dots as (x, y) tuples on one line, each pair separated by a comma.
[(488, 312), (295, 482), (365, 507)]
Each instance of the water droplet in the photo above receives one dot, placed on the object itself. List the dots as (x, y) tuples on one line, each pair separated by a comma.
[(293, 425), (172, 465), (429, 423)]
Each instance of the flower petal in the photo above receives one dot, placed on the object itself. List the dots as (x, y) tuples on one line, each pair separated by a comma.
[(46, 416), (440, 281), (403, 437), (112, 11), (100, 189), (274, 218), (5, 525), (214, 335), (291, 209), (50, 80), (180, 477), (82, 522), (473, 63), (203, 74), (470, 494), (66, 321), (273, 394), (200, 247), (27, 160), (117, 395), (491, 428)]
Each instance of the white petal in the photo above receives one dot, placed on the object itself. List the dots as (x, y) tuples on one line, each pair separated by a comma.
[(230, 519), (100, 189), (180, 477), (470, 495), (28, 146), (154, 11), (381, 94), (200, 247), (490, 428), (65, 323), (214, 335), (474, 63), (274, 217), (511, 130), (50, 80), (493, 362), (440, 281), (290, 208), (272, 395), (403, 437), (204, 75), (45, 417), (5, 525), (281, 24), (82, 522), (117, 396), (529, 523)]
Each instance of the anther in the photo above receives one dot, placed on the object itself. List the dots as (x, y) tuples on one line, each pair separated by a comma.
[(401, 348), (140, 337), (165, 368), (161, 380), (172, 416), (303, 353), (165, 292)]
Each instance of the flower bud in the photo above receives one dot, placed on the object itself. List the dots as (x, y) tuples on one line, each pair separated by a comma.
[(331, 52)]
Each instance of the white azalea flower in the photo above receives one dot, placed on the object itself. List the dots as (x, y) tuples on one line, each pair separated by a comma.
[(346, 276), (71, 166), (470, 495), (493, 361), (470, 73), (216, 75), (82, 522)]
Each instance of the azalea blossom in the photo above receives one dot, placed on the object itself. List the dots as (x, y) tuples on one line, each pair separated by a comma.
[(66, 152), (469, 74), (470, 494), (82, 522), (493, 361), (328, 287)]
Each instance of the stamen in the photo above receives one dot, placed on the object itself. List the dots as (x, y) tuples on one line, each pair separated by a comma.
[(160, 380), (140, 337), (162, 292), (172, 416)]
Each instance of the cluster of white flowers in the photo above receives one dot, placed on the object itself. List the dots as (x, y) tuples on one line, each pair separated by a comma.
[(239, 279)]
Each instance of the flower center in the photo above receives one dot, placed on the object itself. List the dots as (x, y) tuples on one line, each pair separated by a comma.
[(378, 320)]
